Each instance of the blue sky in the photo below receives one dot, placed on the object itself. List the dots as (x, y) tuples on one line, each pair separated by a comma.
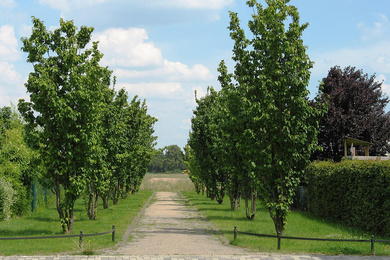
[(164, 50)]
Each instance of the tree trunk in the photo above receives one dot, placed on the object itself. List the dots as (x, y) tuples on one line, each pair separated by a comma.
[(220, 194), (278, 220), (92, 202), (235, 198), (57, 189), (254, 199), (106, 201), (250, 214), (65, 210), (69, 220), (117, 193)]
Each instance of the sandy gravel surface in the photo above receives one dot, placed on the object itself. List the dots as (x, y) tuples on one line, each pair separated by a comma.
[(171, 227)]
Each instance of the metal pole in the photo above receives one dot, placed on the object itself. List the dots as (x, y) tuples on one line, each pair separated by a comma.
[(372, 245), (279, 238), (81, 239), (235, 233), (113, 233)]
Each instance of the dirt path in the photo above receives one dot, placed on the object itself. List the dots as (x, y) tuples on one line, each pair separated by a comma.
[(171, 227)]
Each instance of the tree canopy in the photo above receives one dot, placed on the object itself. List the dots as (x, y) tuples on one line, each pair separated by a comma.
[(168, 159), (19, 165), (89, 136), (264, 113), (356, 109)]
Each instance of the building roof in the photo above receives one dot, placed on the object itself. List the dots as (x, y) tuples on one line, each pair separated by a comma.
[(350, 140)]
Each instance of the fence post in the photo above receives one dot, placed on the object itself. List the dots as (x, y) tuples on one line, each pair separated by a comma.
[(279, 238), (81, 239), (113, 233), (372, 245), (235, 233)]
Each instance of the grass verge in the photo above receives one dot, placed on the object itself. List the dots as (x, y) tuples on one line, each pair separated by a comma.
[(299, 225), (45, 222)]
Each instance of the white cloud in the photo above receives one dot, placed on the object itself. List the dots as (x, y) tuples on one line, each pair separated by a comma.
[(385, 87), (11, 84), (7, 4), (373, 54), (66, 5), (128, 48), (181, 71), (186, 124), (8, 73), (379, 29), (8, 44), (196, 4), (171, 90), (200, 92), (169, 71), (374, 57)]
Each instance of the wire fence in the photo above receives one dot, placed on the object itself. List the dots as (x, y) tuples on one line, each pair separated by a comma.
[(280, 237), (80, 236)]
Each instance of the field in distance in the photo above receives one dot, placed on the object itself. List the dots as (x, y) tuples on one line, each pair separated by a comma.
[(167, 182)]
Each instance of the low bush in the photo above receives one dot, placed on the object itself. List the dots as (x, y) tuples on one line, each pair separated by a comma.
[(7, 199), (353, 192)]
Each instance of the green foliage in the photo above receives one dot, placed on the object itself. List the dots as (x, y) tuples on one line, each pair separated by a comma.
[(272, 72), (356, 109), (68, 90), (206, 143), (19, 165), (7, 199), (193, 169), (168, 159), (129, 141), (352, 192), (89, 137), (256, 135)]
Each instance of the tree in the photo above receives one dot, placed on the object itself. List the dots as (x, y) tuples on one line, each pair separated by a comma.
[(193, 170), (241, 181), (67, 96), (132, 147), (98, 174), (141, 142), (271, 74), (356, 109), (205, 142), (168, 159), (174, 158), (18, 165)]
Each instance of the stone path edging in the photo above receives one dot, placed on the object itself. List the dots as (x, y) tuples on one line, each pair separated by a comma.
[(135, 221)]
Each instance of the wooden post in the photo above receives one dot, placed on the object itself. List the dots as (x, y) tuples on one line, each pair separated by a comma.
[(81, 239), (113, 233), (345, 148), (367, 150), (235, 233)]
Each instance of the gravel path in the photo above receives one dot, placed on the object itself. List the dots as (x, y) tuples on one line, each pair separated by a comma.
[(169, 226)]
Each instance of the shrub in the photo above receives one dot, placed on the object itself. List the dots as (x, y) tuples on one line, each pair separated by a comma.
[(352, 192), (7, 199)]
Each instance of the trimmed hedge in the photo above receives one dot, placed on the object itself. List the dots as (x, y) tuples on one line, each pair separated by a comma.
[(356, 193)]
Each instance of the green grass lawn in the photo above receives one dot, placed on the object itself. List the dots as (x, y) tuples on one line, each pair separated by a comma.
[(45, 222), (299, 225)]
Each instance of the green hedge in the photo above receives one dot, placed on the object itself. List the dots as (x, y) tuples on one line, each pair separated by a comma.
[(356, 193)]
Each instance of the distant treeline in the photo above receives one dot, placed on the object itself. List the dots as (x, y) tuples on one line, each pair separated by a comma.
[(167, 159)]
